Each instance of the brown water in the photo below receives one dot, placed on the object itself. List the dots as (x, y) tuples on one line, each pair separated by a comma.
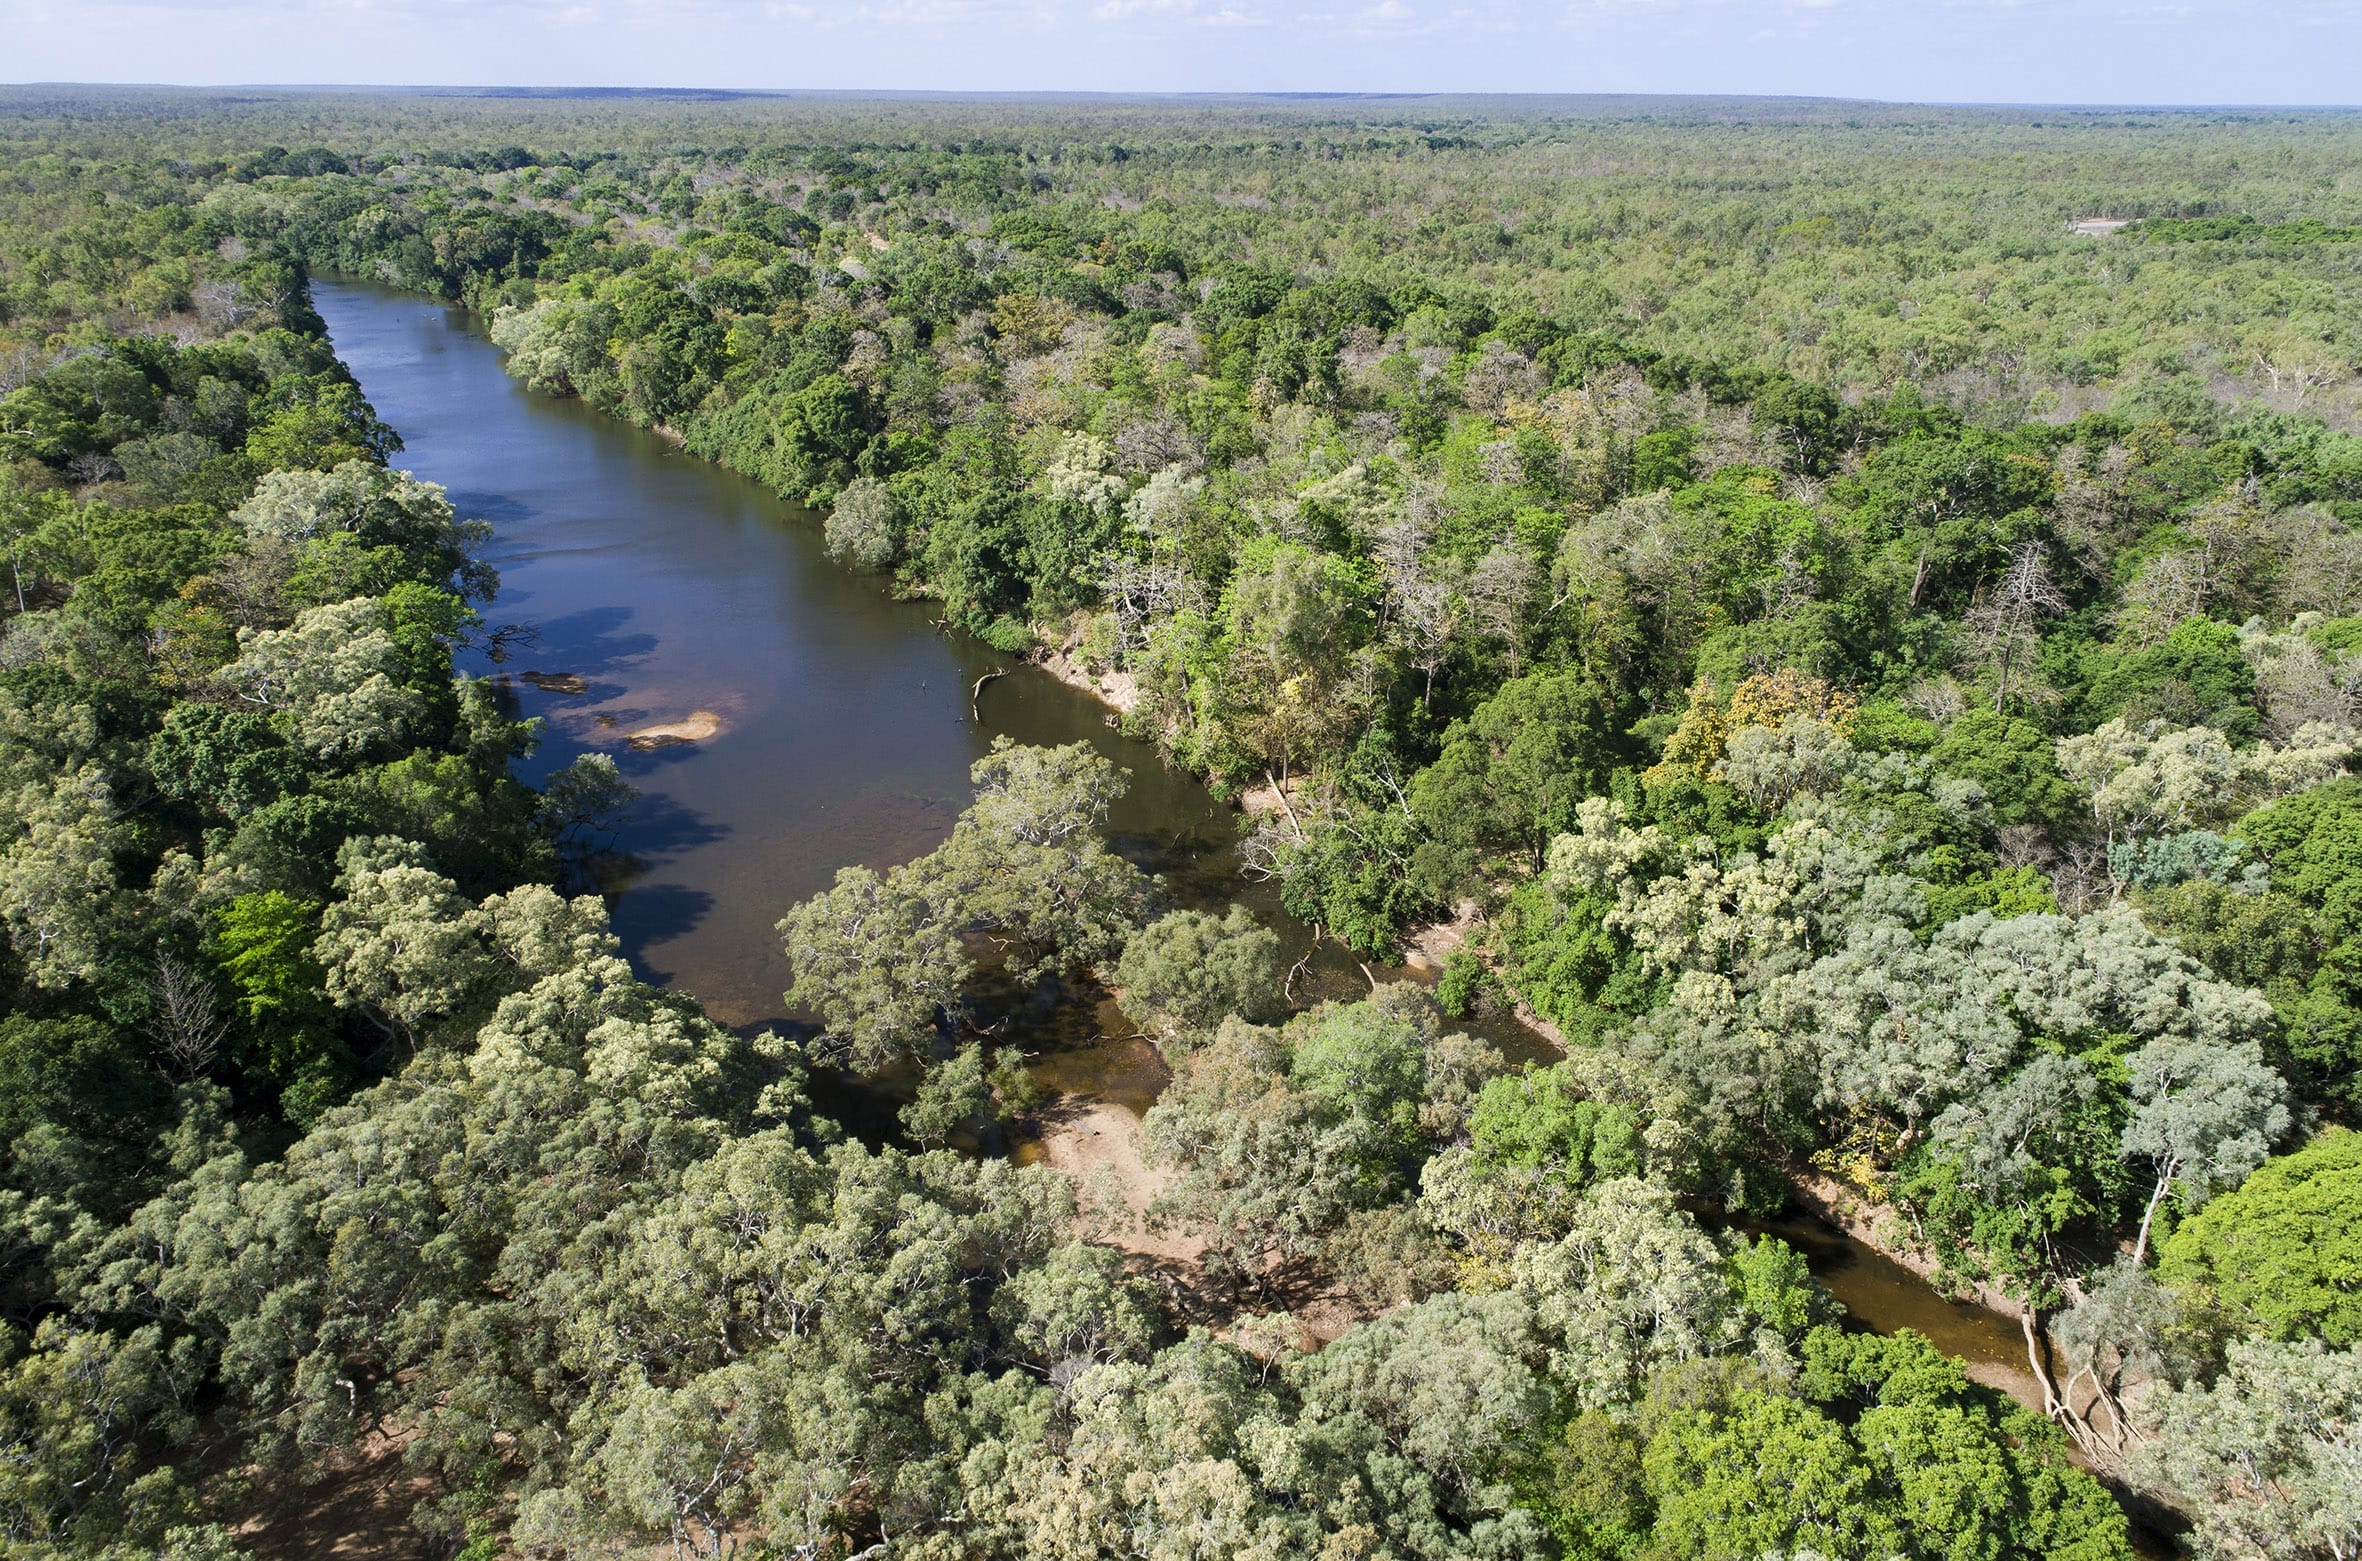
[(1882, 1293)]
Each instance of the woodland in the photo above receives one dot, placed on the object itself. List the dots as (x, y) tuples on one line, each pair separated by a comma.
[(1875, 673)]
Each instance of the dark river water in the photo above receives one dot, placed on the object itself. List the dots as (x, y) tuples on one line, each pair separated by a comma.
[(672, 588)]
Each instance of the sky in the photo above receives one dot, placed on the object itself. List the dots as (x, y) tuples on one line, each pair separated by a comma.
[(2014, 51)]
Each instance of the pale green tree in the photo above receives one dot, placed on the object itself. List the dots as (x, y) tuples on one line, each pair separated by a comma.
[(376, 508), (2203, 1117), (876, 961), (400, 943), (863, 526), (954, 1095), (2144, 779), (1188, 971), (1633, 1285), (59, 894), (334, 678), (1028, 860), (2265, 1459)]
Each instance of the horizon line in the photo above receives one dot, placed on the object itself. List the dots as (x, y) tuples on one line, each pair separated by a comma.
[(960, 94)]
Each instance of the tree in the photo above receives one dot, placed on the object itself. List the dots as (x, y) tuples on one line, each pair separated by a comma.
[(876, 961), (953, 1096), (1077, 1309), (1633, 1286), (2264, 1459), (1289, 624), (1510, 775), (59, 897), (2140, 781), (2005, 1175), (334, 679), (582, 805), (231, 761), (185, 1023), (2004, 625), (2014, 761), (1280, 1136), (864, 526), (400, 944), (1768, 1475), (1188, 971), (81, 1411), (376, 508), (1028, 860), (2277, 1257), (2124, 1326), (262, 944), (2203, 1117)]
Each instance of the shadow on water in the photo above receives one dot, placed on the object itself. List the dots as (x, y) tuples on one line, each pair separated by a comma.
[(500, 509), (589, 643)]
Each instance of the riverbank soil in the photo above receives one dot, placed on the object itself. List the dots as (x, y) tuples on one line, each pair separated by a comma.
[(1098, 1141)]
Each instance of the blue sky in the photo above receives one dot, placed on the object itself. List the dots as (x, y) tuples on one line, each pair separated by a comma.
[(2041, 51)]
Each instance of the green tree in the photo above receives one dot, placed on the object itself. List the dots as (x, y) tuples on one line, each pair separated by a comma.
[(1509, 777), (1188, 971), (2279, 1257)]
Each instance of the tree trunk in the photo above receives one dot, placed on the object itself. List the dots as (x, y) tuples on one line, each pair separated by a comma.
[(977, 692), (1281, 792), (2140, 1245), (2038, 1357), (2053, 1404)]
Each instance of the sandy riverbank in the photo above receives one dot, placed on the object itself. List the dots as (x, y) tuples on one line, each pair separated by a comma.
[(1098, 1143), (1118, 691)]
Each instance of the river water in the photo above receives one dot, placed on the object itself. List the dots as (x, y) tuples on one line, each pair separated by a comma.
[(659, 587)]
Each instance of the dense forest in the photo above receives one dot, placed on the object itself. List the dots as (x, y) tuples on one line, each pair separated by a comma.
[(1874, 673)]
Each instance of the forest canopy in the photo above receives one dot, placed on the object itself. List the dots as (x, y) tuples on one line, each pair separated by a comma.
[(1872, 673)]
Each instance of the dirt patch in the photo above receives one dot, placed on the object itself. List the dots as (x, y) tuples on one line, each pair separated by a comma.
[(696, 728), (1428, 947), (1097, 1142), (1119, 691), (1540, 1026), (357, 1510)]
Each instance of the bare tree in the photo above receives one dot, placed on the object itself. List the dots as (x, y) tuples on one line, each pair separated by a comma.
[(2298, 364), (2325, 568), (1501, 592), (1426, 609), (2005, 626), (1143, 592), (184, 1023), (2299, 685)]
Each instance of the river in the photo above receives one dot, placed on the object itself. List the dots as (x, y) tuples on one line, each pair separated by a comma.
[(668, 586)]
